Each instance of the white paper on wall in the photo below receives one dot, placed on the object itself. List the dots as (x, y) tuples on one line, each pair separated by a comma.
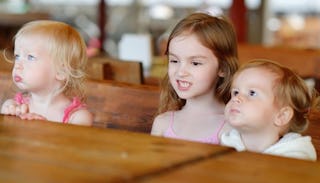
[(136, 47)]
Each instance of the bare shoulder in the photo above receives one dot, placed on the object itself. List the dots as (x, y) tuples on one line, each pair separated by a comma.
[(82, 117), (161, 123)]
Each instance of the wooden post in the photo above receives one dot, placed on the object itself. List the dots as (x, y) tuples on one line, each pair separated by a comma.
[(102, 20), (238, 13)]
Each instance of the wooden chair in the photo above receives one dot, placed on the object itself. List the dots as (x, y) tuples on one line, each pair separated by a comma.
[(122, 105), (103, 67)]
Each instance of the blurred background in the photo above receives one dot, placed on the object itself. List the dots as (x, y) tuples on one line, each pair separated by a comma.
[(103, 23), (136, 31)]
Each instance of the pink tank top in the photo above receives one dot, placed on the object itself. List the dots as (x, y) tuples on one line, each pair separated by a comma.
[(213, 139), (74, 106)]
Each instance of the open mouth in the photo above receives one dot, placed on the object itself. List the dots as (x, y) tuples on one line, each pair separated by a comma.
[(183, 85)]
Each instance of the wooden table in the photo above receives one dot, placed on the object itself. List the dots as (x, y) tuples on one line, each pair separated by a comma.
[(243, 167), (39, 151)]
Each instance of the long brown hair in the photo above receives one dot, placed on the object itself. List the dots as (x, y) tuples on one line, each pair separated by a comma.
[(218, 35)]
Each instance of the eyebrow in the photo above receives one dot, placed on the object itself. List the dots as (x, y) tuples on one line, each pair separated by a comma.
[(192, 57)]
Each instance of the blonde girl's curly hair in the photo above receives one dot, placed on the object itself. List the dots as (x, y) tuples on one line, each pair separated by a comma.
[(67, 49)]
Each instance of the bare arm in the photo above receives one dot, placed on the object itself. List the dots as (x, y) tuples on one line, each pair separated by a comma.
[(160, 124)]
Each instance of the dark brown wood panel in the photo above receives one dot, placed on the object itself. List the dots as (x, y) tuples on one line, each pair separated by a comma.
[(305, 62), (103, 67), (122, 105)]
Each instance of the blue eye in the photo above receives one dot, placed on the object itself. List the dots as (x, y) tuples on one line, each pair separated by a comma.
[(234, 93), (31, 58), (252, 93), (16, 57)]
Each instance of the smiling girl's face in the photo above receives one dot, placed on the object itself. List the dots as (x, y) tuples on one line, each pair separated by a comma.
[(193, 68)]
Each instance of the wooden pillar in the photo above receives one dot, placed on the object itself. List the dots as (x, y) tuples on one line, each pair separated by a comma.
[(102, 21), (238, 13)]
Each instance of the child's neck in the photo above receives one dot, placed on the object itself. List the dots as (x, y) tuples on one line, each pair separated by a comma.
[(50, 107), (204, 106), (43, 99), (259, 142)]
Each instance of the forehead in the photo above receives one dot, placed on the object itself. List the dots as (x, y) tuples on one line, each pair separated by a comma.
[(255, 77), (32, 42), (188, 44), (27, 36), (182, 39)]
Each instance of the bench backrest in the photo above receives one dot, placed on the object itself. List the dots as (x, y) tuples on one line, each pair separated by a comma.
[(305, 62), (103, 67), (122, 105), (314, 131)]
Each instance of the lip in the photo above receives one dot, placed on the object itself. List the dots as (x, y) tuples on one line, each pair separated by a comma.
[(17, 78), (234, 111)]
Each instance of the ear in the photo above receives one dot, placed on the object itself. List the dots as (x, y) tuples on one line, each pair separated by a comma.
[(60, 76), (221, 74), (284, 116)]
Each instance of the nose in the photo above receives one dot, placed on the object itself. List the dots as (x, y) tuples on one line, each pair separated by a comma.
[(18, 64), (182, 70), (236, 99)]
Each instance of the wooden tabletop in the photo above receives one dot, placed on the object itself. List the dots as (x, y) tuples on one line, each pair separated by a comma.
[(243, 167), (39, 151)]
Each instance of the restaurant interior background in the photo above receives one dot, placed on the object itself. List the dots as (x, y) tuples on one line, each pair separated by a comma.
[(269, 22)]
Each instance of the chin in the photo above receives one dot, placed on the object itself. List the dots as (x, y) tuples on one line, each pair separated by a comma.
[(183, 96), (21, 87), (235, 122)]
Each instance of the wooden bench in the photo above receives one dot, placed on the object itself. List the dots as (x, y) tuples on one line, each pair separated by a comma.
[(107, 68), (305, 62), (122, 105), (114, 104)]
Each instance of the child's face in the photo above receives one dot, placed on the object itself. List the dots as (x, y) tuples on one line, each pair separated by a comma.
[(193, 68), (252, 106), (33, 67)]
